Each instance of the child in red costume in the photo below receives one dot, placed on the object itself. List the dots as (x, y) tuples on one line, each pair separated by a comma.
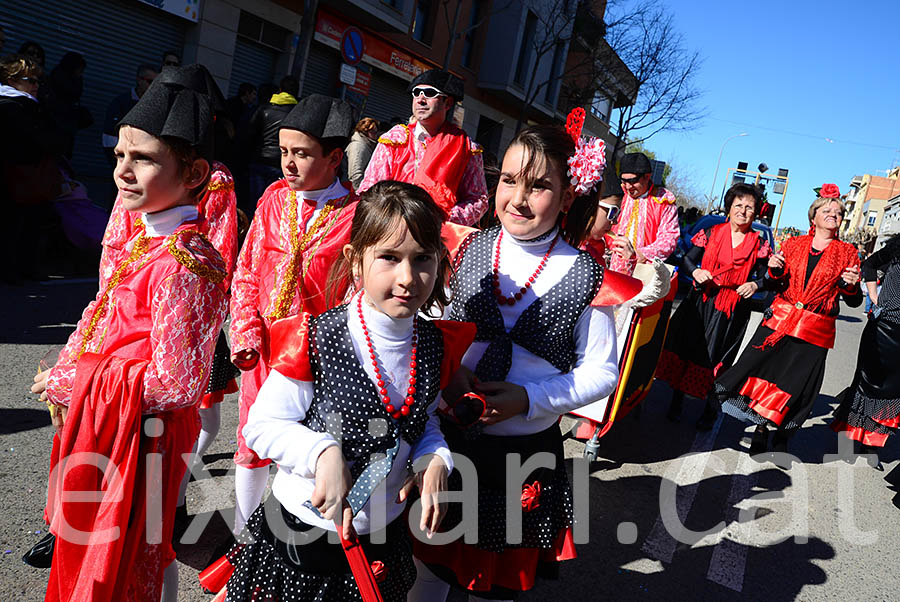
[(131, 375), (301, 224)]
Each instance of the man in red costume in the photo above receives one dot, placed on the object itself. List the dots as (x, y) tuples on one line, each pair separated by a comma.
[(131, 375), (301, 225), (649, 217), (432, 152)]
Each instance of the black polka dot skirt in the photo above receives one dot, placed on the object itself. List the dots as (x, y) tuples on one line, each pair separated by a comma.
[(546, 493), (222, 371), (290, 568)]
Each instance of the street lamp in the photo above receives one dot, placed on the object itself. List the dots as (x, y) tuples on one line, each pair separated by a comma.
[(716, 174)]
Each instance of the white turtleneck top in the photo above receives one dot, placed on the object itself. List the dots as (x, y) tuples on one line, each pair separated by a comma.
[(551, 393), (164, 223), (273, 428)]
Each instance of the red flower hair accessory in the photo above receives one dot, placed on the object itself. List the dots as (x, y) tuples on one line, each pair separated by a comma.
[(829, 191), (531, 496), (587, 164)]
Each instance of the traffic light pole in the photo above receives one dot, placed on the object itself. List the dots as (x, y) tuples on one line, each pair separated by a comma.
[(781, 205)]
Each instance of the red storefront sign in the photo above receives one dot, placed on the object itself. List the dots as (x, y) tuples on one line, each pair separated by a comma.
[(330, 31)]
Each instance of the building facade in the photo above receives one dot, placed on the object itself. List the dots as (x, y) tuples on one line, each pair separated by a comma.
[(867, 201), (516, 58)]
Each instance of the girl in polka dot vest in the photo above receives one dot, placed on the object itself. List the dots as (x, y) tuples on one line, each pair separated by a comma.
[(545, 345), (348, 415)]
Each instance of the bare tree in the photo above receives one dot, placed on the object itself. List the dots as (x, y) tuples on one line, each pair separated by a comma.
[(645, 38)]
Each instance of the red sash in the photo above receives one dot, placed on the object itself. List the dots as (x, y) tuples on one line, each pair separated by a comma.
[(809, 326)]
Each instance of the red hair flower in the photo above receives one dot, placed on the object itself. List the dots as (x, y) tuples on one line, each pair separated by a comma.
[(829, 191), (531, 496)]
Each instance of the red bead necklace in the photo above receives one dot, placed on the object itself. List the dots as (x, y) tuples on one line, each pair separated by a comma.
[(382, 390), (511, 300)]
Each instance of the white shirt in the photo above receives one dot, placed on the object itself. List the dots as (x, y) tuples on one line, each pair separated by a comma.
[(551, 393), (321, 198), (273, 429), (164, 223)]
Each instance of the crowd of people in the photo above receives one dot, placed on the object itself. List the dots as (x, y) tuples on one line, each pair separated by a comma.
[(380, 335)]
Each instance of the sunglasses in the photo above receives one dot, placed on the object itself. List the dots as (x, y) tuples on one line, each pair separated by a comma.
[(612, 212), (633, 180), (428, 92)]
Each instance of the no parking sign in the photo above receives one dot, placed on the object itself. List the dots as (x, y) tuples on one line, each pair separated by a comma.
[(352, 46)]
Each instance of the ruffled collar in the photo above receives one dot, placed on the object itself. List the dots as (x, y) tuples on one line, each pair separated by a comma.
[(322, 195)]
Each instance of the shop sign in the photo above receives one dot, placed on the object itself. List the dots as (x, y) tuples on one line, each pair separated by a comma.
[(331, 29), (186, 9)]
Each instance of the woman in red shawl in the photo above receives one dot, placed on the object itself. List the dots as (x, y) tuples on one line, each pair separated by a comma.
[(728, 265), (777, 378)]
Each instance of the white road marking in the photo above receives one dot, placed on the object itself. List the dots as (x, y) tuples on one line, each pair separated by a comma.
[(729, 558)]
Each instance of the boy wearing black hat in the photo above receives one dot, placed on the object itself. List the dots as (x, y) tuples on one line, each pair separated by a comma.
[(129, 380), (649, 217), (433, 152), (300, 227)]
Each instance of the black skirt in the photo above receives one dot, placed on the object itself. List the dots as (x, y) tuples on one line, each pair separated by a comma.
[(288, 569), (777, 385), (699, 339), (870, 409)]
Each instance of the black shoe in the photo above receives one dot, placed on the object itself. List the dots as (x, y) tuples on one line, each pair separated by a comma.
[(40, 556), (707, 419), (871, 455), (759, 444)]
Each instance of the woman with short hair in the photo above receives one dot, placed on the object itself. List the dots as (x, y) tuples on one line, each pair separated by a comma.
[(728, 265)]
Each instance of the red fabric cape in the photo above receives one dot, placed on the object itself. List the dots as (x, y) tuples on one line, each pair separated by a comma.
[(104, 418), (443, 165)]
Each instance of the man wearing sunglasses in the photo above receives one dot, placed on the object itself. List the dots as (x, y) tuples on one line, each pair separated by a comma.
[(433, 152), (648, 217), (601, 243)]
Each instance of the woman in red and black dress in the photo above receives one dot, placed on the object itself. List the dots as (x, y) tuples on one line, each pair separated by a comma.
[(870, 411), (777, 379), (728, 265)]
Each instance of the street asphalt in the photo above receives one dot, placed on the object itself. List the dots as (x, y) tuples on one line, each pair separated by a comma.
[(827, 528)]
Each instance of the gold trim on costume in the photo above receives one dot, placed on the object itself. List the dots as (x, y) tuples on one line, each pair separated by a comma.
[(292, 283), (389, 142), (185, 258)]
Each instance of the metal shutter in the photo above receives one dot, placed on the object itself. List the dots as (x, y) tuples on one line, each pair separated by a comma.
[(253, 63), (97, 29), (322, 71), (388, 97)]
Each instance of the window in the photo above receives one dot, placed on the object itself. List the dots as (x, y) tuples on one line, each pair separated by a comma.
[(600, 106), (423, 26), (253, 28), (468, 55), (872, 216), (556, 70), (526, 50)]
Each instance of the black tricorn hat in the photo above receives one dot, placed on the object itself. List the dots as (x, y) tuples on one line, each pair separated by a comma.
[(636, 163), (180, 103), (322, 117), (444, 81)]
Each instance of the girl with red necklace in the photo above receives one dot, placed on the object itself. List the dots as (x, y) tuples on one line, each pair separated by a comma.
[(357, 380), (777, 378), (707, 329), (545, 345)]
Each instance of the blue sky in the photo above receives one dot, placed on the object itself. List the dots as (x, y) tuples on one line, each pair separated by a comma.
[(826, 70)]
